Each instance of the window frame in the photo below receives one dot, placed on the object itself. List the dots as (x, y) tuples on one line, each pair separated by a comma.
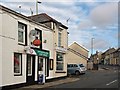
[(59, 39), (24, 34), (20, 67), (60, 61)]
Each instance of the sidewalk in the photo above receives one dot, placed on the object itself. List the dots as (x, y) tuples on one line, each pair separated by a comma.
[(49, 84)]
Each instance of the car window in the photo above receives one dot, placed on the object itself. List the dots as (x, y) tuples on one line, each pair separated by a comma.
[(68, 65), (81, 65), (75, 65), (71, 65)]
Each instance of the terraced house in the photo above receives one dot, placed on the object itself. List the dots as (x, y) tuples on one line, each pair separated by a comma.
[(29, 48)]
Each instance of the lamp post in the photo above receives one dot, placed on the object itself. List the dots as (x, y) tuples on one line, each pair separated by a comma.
[(92, 45), (92, 48), (37, 6)]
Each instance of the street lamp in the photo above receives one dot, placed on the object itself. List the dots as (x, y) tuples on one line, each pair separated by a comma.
[(37, 6), (92, 45), (92, 48)]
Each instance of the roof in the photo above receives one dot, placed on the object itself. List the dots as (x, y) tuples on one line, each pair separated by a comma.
[(80, 46), (44, 18), (110, 50), (20, 15), (117, 50), (77, 53)]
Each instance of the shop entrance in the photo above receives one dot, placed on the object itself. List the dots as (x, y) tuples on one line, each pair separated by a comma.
[(41, 67), (30, 70)]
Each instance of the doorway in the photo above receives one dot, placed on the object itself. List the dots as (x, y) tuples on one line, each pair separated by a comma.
[(41, 67), (30, 71)]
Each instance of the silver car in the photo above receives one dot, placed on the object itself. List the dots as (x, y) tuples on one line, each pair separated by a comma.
[(76, 69)]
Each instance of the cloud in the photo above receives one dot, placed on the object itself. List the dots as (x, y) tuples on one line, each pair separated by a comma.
[(88, 18), (101, 16), (62, 0), (105, 14)]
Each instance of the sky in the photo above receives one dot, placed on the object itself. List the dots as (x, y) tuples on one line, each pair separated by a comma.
[(87, 19)]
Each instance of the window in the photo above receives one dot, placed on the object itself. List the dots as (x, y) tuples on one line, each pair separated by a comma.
[(75, 65), (81, 65), (17, 64), (59, 61), (21, 33), (68, 66), (59, 39), (51, 64)]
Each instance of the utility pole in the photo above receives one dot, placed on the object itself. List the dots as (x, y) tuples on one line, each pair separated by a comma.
[(92, 45), (92, 48)]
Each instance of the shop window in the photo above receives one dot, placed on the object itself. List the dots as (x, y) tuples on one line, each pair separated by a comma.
[(17, 64), (59, 61), (51, 64), (21, 33)]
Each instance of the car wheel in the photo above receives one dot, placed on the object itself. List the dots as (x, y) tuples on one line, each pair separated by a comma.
[(77, 73)]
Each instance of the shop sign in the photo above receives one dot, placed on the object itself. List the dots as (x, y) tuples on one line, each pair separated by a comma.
[(42, 53)]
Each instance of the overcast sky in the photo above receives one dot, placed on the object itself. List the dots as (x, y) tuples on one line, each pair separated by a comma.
[(88, 19)]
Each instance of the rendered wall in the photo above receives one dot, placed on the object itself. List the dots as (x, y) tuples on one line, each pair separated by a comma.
[(0, 48), (75, 59)]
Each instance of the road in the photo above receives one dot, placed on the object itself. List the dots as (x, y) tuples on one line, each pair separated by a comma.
[(95, 79)]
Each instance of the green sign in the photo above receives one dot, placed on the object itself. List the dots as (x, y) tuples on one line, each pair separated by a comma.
[(42, 53)]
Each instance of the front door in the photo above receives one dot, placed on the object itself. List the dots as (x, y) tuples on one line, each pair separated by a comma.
[(41, 67), (30, 77)]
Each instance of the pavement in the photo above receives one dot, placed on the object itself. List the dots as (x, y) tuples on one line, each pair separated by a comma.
[(49, 84)]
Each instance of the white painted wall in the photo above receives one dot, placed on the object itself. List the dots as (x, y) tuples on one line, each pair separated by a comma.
[(36, 67), (9, 46), (0, 48), (48, 36), (64, 44)]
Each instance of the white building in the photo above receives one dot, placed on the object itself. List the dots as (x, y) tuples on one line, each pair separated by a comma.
[(28, 48), (60, 41)]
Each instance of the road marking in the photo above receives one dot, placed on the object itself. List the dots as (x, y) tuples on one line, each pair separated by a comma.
[(111, 82)]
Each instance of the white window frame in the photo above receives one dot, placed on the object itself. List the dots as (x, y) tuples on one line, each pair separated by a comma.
[(59, 39), (20, 64), (21, 30)]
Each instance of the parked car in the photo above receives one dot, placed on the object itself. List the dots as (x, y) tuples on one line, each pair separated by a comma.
[(76, 69)]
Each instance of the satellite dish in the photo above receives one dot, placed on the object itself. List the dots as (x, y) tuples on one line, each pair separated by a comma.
[(32, 33)]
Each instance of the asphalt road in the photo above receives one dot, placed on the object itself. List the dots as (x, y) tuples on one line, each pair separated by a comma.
[(95, 79)]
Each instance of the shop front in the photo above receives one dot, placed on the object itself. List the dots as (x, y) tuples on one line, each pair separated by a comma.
[(37, 65)]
